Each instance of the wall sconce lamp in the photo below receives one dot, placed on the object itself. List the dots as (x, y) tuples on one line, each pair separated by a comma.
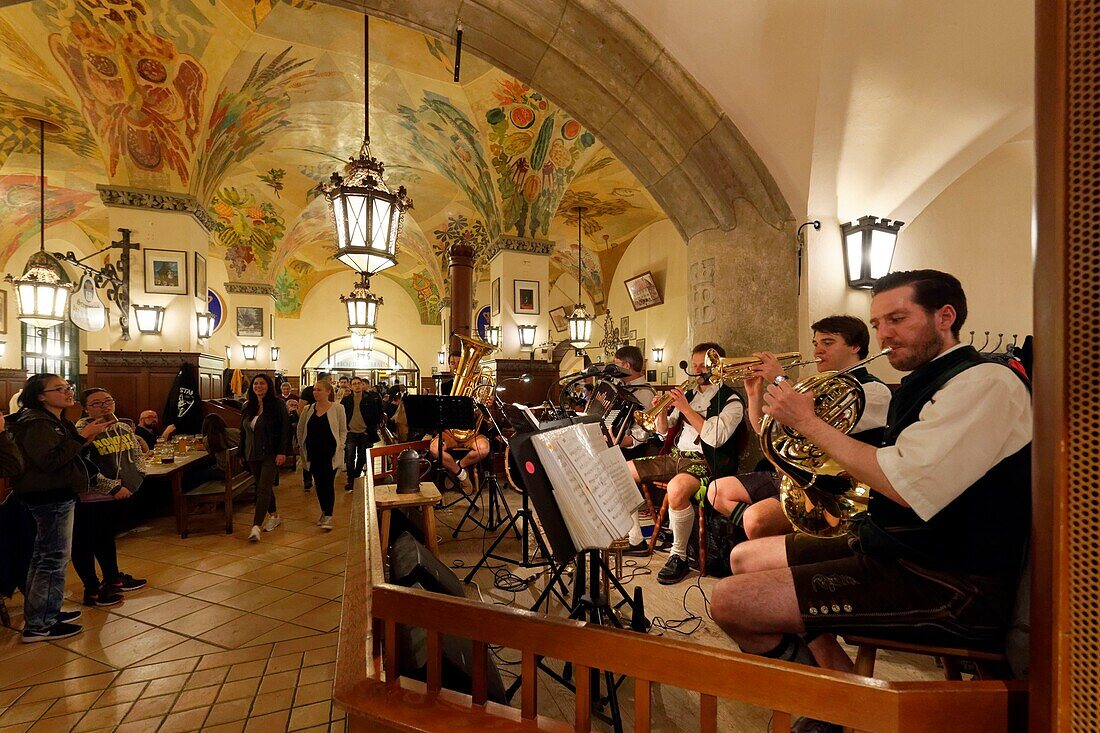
[(205, 323), (868, 249), (442, 357), (149, 318), (658, 354), (274, 353), (228, 353), (492, 336), (249, 351), (527, 336), (3, 348)]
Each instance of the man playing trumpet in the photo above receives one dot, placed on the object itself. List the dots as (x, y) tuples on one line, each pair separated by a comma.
[(704, 421), (839, 343)]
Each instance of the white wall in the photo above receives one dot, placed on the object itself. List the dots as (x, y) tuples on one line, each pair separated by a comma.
[(979, 229)]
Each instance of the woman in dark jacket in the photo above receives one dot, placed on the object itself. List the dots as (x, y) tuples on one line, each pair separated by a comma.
[(53, 474), (265, 444)]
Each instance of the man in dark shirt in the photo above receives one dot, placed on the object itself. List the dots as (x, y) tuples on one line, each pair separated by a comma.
[(363, 417)]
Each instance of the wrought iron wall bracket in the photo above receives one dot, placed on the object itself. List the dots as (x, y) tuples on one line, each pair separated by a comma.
[(112, 277)]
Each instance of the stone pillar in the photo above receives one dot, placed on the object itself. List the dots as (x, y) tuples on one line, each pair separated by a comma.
[(743, 286), (519, 258), (461, 273)]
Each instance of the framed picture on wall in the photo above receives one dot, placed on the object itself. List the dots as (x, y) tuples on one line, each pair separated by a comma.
[(250, 321), (527, 297), (200, 275), (557, 317), (624, 326), (664, 377), (165, 271), (651, 376), (3, 311), (640, 343), (494, 297), (643, 291)]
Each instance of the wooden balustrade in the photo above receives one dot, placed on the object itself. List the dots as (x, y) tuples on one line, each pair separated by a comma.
[(368, 688)]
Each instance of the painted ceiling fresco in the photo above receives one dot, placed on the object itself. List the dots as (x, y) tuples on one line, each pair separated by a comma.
[(249, 104)]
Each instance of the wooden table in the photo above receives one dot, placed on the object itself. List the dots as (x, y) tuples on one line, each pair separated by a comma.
[(386, 499), (174, 473)]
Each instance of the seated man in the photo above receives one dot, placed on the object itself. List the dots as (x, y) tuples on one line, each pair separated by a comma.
[(477, 444), (147, 428), (704, 422), (630, 360), (839, 343), (937, 556)]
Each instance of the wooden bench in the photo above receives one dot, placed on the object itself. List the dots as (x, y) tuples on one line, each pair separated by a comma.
[(237, 480)]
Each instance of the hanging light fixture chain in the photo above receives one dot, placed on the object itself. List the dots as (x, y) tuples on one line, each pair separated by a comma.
[(366, 78), (579, 214), (41, 185)]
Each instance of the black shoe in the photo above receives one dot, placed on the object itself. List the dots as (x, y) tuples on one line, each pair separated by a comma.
[(639, 550), (60, 630), (675, 570), (102, 597), (809, 725), (126, 582), (68, 616), (307, 487)]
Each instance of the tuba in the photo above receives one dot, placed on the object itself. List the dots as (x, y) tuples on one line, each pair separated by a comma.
[(472, 380), (818, 496)]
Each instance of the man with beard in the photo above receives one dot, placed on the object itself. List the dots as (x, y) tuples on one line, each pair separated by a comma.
[(937, 556)]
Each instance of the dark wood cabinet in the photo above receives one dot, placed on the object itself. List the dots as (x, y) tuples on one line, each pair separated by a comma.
[(142, 380)]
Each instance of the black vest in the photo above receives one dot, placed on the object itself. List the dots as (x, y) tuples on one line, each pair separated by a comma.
[(874, 435), (723, 459), (982, 532)]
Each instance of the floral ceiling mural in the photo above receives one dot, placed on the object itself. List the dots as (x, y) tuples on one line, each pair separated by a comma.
[(249, 104)]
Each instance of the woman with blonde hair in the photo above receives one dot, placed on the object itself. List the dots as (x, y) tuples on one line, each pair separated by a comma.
[(322, 430)]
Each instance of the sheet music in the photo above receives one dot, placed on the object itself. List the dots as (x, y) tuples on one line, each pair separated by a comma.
[(592, 484), (529, 413)]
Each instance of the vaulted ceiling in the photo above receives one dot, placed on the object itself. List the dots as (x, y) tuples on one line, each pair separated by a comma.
[(248, 104)]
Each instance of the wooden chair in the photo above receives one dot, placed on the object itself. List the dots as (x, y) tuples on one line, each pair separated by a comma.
[(237, 480), (987, 664), (388, 455), (660, 518)]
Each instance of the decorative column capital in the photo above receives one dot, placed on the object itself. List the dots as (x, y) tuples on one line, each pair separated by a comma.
[(139, 198), (526, 245)]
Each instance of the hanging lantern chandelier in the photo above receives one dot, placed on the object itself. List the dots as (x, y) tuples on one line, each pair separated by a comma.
[(40, 295), (580, 323), (362, 339), (362, 305), (366, 213)]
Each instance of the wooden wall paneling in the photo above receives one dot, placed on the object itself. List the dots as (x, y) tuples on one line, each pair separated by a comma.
[(11, 381), (544, 375)]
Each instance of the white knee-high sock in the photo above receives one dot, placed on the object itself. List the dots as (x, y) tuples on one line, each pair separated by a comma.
[(681, 521), (635, 534)]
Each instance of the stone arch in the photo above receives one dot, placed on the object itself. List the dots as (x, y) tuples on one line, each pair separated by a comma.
[(594, 60)]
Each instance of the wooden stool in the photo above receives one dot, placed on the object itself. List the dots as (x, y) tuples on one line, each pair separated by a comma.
[(386, 499), (989, 665)]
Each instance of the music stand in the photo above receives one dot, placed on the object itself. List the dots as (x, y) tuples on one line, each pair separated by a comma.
[(439, 413), (498, 504)]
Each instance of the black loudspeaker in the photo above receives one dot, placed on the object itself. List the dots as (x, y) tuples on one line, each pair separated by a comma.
[(413, 566)]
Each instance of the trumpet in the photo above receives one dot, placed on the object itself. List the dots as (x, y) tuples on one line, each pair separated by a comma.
[(648, 418), (735, 369)]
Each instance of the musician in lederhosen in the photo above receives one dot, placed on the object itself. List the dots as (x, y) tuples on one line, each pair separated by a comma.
[(839, 343), (937, 557), (634, 439), (703, 422)]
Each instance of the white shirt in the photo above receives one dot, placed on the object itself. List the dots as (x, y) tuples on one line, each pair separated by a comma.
[(976, 420), (644, 394), (716, 430), (876, 409)]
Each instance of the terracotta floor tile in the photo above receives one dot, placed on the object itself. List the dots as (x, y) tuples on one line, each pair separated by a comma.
[(271, 723), (309, 715), (329, 588), (186, 650), (107, 717), (235, 727), (245, 670), (122, 693), (311, 693), (291, 606), (196, 581), (206, 677), (112, 632), (319, 673), (7, 697), (316, 729), (279, 681), (152, 707), (284, 632), (131, 651), (53, 690), (185, 721), (147, 598), (334, 565), (73, 704), (42, 657), (224, 590), (237, 690), (200, 697), (236, 656), (257, 598), (316, 642), (240, 631), (164, 686), (149, 725), (207, 617), (25, 713), (73, 669), (168, 574), (269, 572), (271, 702), (58, 724), (17, 728), (162, 614), (156, 671), (209, 563), (227, 712), (308, 559), (301, 581), (239, 568), (322, 618), (337, 726), (284, 663)]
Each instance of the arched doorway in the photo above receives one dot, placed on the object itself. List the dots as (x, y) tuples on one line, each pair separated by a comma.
[(385, 362)]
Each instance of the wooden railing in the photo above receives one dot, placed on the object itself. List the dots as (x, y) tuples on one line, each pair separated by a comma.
[(375, 698)]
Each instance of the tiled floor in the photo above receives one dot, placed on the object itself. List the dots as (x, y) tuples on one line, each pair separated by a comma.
[(228, 635)]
